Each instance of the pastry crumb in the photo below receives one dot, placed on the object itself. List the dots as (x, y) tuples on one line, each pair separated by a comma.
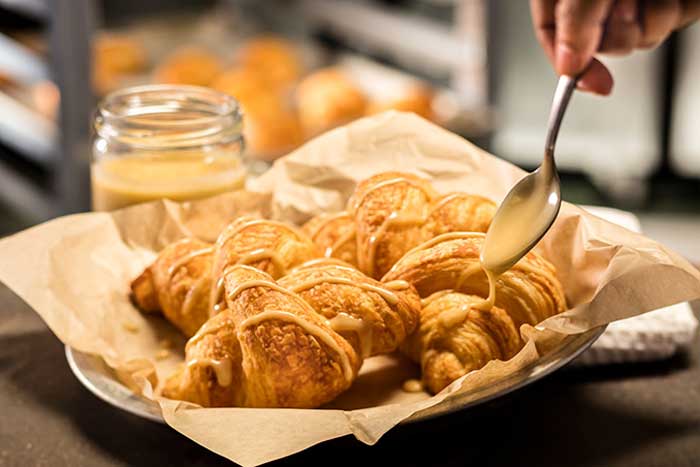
[(162, 354), (165, 344), (131, 327), (412, 385)]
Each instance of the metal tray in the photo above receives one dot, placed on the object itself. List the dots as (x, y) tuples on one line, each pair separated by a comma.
[(99, 379)]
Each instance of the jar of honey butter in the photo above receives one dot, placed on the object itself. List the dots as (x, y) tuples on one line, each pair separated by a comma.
[(174, 142)]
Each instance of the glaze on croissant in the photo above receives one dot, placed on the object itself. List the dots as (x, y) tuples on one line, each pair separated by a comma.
[(335, 235), (455, 337), (374, 317)]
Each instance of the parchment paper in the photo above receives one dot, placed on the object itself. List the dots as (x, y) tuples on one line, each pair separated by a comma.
[(75, 272)]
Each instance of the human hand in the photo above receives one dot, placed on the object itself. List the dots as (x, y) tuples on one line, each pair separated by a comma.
[(571, 32)]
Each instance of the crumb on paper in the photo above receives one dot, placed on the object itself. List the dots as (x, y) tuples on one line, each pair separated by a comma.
[(162, 354), (412, 385), (131, 327), (165, 344)]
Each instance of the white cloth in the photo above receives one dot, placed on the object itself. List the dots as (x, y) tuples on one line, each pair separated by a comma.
[(652, 336)]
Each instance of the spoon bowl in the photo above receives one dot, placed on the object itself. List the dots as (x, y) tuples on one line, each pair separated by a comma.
[(532, 205), (524, 217)]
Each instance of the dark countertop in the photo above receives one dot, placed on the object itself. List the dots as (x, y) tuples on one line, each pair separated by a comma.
[(624, 415)]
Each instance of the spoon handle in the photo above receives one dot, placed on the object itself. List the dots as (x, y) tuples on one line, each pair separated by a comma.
[(562, 95)]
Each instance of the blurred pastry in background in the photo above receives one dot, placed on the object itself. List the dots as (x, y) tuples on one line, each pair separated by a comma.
[(190, 65), (115, 56), (417, 99), (326, 99), (271, 128), (244, 84), (276, 58)]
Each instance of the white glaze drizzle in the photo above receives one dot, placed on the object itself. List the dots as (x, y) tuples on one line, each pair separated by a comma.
[(313, 329), (343, 322)]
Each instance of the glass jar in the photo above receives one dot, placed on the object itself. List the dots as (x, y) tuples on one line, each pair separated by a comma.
[(175, 142)]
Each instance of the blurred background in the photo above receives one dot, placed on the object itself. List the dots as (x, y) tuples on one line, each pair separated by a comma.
[(472, 66)]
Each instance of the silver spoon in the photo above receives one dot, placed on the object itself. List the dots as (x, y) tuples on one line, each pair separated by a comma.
[(532, 205)]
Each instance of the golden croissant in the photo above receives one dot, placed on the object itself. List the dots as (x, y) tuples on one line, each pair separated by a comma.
[(187, 273), (389, 214), (529, 292), (178, 284), (270, 246), (455, 337), (459, 330), (269, 347)]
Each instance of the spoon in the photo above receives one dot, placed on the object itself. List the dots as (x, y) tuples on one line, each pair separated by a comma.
[(532, 205)]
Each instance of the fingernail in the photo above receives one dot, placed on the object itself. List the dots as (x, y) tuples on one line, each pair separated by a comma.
[(584, 86), (568, 61)]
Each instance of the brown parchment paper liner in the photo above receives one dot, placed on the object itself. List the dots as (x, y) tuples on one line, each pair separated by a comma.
[(75, 270)]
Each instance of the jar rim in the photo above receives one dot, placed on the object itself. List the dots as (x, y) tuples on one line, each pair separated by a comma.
[(165, 115)]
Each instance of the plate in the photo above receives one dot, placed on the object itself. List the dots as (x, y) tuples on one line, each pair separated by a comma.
[(99, 379)]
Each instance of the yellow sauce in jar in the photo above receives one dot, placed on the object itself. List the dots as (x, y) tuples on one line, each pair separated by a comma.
[(120, 182)]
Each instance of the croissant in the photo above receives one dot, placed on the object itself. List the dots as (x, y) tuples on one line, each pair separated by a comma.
[(266, 348), (298, 342), (459, 212), (389, 210), (374, 317), (271, 246), (529, 292), (335, 235), (459, 330), (389, 214), (178, 283), (455, 338)]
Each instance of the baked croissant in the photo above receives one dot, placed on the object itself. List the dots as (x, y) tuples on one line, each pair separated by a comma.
[(459, 212), (267, 348), (178, 283), (374, 317), (460, 330), (389, 211), (298, 342), (288, 320), (455, 337), (270, 246), (529, 292), (335, 235)]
